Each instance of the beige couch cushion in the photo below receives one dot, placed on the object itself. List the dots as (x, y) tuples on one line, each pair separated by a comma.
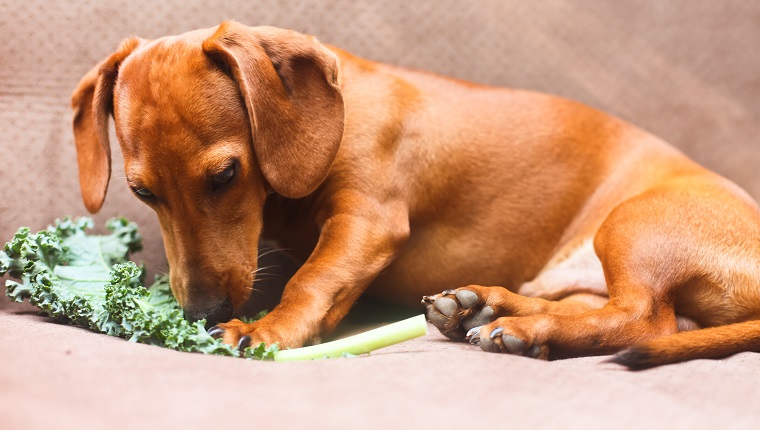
[(688, 70)]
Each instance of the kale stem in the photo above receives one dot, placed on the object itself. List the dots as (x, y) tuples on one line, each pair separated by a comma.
[(144, 306), (361, 343), (102, 257)]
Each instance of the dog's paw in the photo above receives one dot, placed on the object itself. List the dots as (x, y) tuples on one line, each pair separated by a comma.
[(510, 335), (456, 312), (240, 334)]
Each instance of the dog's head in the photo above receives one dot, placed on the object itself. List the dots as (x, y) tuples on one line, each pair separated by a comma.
[(208, 123)]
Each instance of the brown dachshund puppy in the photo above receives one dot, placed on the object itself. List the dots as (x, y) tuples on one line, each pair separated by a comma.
[(400, 183)]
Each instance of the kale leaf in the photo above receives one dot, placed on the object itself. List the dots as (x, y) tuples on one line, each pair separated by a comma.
[(88, 280)]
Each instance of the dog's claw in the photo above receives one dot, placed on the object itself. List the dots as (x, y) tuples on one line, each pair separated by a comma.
[(473, 336), (244, 343), (474, 331), (497, 331), (216, 332)]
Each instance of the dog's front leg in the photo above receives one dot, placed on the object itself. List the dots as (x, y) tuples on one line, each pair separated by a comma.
[(359, 237)]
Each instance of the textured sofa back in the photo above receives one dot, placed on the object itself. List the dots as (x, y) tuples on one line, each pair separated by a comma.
[(686, 70)]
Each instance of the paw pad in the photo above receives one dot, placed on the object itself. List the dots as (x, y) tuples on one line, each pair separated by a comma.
[(448, 307), (499, 341), (467, 298), (455, 313)]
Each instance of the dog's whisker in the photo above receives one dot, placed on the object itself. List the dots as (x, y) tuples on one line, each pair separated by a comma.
[(253, 290), (261, 294), (271, 277), (266, 252), (259, 277), (262, 269)]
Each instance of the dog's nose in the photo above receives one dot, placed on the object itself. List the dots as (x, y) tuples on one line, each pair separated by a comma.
[(212, 312)]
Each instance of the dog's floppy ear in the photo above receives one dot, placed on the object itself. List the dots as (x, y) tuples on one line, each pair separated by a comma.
[(289, 82), (92, 102)]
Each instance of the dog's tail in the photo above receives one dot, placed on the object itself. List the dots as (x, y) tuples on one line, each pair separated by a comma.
[(713, 342)]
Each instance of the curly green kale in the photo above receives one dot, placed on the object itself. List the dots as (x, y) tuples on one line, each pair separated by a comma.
[(88, 280)]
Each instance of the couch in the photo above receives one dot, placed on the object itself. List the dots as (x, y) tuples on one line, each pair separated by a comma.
[(686, 70)]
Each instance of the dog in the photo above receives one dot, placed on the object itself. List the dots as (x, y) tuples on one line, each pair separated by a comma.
[(554, 230)]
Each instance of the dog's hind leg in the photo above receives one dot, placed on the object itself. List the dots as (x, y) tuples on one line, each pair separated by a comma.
[(573, 285), (687, 245), (460, 313)]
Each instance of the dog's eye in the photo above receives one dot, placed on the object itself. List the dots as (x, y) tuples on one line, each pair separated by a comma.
[(143, 192), (224, 177)]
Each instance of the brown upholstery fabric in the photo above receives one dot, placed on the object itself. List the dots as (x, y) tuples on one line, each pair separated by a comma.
[(687, 70)]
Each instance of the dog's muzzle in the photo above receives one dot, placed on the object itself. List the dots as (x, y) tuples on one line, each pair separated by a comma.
[(212, 312)]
